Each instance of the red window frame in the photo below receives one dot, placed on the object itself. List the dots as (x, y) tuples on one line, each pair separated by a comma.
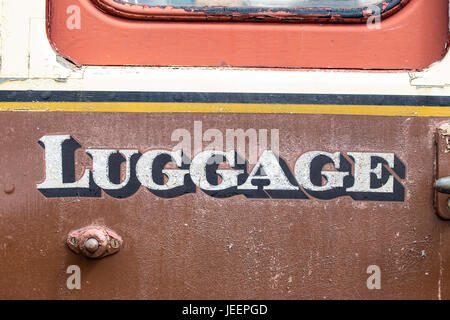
[(412, 38)]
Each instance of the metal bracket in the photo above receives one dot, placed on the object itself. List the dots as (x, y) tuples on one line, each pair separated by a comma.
[(442, 184), (94, 241)]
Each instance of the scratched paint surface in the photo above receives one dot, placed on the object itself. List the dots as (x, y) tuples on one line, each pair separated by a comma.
[(196, 246)]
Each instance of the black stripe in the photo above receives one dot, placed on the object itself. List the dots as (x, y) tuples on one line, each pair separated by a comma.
[(215, 97)]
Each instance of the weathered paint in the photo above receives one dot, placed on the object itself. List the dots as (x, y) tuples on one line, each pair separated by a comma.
[(402, 42), (238, 14), (367, 180), (198, 246), (414, 111), (94, 242), (214, 102)]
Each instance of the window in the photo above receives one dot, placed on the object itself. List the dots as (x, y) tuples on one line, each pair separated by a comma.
[(407, 34)]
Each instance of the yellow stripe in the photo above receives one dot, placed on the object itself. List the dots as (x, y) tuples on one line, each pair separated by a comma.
[(415, 111)]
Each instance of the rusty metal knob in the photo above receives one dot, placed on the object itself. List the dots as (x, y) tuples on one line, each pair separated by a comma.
[(94, 241)]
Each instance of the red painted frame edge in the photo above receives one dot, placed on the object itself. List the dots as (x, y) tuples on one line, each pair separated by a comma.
[(413, 38), (293, 15)]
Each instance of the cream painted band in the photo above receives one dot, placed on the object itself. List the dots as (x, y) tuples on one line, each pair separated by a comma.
[(163, 107)]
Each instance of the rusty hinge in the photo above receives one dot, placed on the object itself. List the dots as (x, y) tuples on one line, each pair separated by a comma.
[(442, 184)]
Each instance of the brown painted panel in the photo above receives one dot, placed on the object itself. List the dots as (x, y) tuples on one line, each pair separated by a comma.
[(199, 247)]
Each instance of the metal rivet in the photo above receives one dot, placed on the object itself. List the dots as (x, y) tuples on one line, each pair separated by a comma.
[(115, 243), (91, 244)]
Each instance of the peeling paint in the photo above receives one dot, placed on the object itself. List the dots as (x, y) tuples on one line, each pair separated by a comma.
[(254, 14), (3, 80)]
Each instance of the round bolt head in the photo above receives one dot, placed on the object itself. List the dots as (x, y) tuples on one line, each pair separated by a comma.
[(91, 244)]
